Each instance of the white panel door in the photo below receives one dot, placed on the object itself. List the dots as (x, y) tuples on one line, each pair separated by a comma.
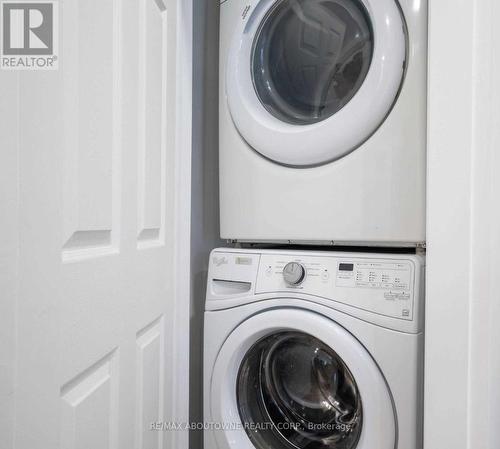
[(88, 291)]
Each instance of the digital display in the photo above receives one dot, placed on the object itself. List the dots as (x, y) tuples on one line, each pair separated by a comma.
[(243, 261), (346, 267)]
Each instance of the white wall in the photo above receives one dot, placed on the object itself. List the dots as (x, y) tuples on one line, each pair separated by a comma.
[(462, 404)]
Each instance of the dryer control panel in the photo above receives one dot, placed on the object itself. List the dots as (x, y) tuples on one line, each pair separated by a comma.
[(383, 285)]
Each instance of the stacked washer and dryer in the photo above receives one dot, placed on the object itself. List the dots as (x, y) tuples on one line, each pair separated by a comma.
[(322, 144)]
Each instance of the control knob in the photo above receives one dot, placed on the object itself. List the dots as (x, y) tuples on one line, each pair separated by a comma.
[(294, 273)]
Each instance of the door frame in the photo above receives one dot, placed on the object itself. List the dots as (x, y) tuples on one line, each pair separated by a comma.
[(182, 226), (462, 361)]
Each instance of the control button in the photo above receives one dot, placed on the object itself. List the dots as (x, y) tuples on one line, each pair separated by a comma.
[(219, 261), (269, 271), (325, 275), (294, 273)]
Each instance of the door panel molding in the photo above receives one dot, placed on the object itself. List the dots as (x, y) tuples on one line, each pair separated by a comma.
[(153, 97), (92, 128)]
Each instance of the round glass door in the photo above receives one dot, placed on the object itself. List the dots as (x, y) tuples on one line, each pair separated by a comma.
[(309, 81), (310, 57), (275, 385), (294, 391)]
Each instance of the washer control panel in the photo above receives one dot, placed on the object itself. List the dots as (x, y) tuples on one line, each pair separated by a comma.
[(394, 278), (384, 285)]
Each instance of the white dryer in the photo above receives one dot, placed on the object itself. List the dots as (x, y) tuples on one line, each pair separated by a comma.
[(323, 121), (316, 350)]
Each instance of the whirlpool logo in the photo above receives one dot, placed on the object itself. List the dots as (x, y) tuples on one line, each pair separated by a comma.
[(29, 35)]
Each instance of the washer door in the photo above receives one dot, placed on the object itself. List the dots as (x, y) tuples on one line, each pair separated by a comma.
[(293, 379), (308, 81)]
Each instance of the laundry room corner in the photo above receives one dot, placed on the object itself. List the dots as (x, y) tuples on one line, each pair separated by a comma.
[(249, 224), (205, 190), (463, 247)]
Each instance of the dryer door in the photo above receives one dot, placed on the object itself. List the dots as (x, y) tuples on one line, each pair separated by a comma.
[(308, 81), (291, 378)]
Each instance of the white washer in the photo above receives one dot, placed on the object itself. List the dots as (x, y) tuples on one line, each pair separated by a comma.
[(323, 120), (316, 350)]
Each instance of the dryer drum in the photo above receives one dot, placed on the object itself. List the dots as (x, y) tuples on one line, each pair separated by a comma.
[(310, 58), (293, 391)]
